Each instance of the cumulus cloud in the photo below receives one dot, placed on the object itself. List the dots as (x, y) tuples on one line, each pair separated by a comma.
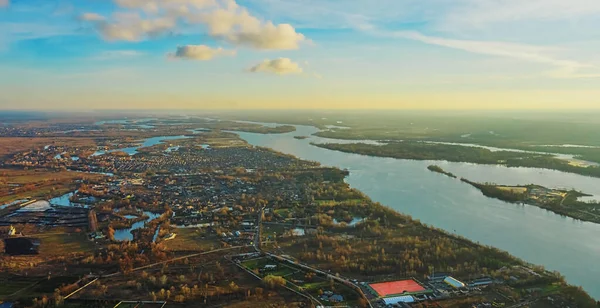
[(224, 20), (199, 52), (237, 26), (4, 3), (281, 66), (128, 26)]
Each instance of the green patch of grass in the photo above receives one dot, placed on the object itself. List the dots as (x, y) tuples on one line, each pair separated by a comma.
[(282, 271), (339, 202), (254, 263), (282, 212), (10, 284), (191, 239), (551, 288), (315, 285), (61, 243)]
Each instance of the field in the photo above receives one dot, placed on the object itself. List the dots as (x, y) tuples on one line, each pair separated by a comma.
[(18, 184), (60, 243), (191, 239), (12, 286), (55, 248), (513, 189), (9, 145)]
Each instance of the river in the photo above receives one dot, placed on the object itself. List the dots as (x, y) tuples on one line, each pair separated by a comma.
[(538, 236)]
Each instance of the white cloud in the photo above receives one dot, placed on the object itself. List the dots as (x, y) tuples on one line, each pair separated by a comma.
[(281, 66), (478, 13), (154, 6), (118, 54), (91, 17), (236, 25), (224, 19), (4, 3), (525, 52), (132, 27), (200, 52)]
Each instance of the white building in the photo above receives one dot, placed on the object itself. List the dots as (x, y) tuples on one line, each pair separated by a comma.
[(398, 299), (453, 282)]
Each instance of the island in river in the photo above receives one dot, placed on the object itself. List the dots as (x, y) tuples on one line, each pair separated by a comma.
[(419, 150), (439, 169), (559, 201), (563, 202)]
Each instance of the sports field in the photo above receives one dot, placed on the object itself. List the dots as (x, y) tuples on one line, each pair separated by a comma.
[(396, 287)]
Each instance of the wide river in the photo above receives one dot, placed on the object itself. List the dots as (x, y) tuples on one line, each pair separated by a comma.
[(538, 236)]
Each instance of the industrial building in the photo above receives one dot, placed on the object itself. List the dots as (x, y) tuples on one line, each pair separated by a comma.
[(21, 246), (453, 282)]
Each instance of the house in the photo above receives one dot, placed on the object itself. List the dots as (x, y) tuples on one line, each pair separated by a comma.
[(12, 231), (336, 298)]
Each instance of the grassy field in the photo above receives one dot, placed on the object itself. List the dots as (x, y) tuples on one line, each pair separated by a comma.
[(60, 243), (9, 145), (191, 239), (334, 202), (37, 183), (10, 284), (513, 189)]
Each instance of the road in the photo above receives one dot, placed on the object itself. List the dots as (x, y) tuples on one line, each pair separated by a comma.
[(303, 266), (176, 259)]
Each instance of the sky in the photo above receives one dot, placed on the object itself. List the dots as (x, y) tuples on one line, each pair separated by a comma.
[(299, 54)]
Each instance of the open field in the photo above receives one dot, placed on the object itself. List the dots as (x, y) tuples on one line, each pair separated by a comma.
[(191, 239), (9, 145), (513, 189), (60, 243), (19, 184)]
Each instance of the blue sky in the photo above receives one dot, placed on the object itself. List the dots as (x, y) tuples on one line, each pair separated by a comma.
[(432, 54)]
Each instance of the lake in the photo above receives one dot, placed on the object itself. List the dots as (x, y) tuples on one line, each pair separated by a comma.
[(538, 236), (126, 235), (146, 143)]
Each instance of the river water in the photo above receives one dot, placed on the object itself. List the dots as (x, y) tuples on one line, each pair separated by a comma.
[(538, 236), (126, 235)]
